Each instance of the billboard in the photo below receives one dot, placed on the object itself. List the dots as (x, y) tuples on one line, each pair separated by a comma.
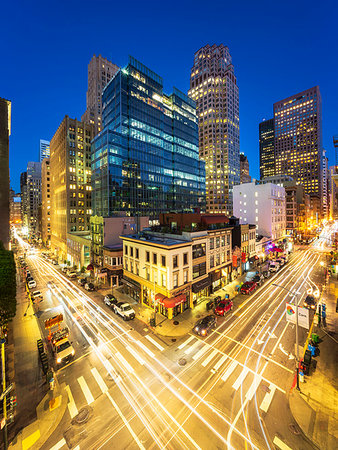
[(303, 315)]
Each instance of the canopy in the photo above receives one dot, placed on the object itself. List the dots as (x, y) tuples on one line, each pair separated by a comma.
[(90, 267), (170, 302)]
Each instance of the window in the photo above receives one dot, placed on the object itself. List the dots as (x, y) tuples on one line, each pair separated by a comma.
[(198, 270), (126, 249), (147, 256), (137, 269), (198, 250), (136, 253), (163, 262), (212, 243), (175, 279), (217, 242), (163, 279), (147, 274), (175, 261), (228, 239), (185, 259), (131, 251), (185, 276), (212, 261), (223, 241), (154, 258), (218, 262)]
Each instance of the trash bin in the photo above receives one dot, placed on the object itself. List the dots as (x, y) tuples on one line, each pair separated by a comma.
[(315, 338)]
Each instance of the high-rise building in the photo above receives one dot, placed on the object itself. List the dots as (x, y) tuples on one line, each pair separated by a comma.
[(267, 148), (325, 190), (15, 208), (244, 169), (298, 142), (23, 190), (33, 195), (45, 201), (5, 132), (70, 174), (333, 193), (214, 88), (146, 161), (44, 149), (100, 72)]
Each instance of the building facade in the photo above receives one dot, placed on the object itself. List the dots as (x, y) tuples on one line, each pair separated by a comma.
[(244, 169), (33, 196), (44, 149), (23, 190), (100, 72), (262, 205), (267, 148), (45, 201), (298, 142), (5, 132), (214, 88), (15, 208), (333, 193), (146, 159), (70, 173), (325, 195)]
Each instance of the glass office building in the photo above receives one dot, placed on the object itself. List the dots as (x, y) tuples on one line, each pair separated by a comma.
[(146, 159)]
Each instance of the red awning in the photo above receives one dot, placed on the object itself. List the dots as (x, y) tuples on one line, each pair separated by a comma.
[(170, 302), (90, 267), (278, 250)]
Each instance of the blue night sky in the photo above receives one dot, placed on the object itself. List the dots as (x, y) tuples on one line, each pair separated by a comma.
[(278, 49)]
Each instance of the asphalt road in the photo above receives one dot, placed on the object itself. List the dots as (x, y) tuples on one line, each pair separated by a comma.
[(135, 389)]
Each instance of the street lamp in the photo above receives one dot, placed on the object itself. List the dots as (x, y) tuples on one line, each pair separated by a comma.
[(294, 293)]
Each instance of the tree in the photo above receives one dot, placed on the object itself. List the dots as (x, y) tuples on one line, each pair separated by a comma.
[(7, 285)]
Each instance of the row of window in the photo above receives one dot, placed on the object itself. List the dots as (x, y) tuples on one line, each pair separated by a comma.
[(154, 258)]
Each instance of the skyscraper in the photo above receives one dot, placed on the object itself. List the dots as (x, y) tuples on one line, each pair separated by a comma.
[(45, 201), (44, 149), (146, 161), (70, 175), (5, 132), (214, 88), (100, 71), (298, 142), (244, 169), (267, 148), (23, 190), (33, 195)]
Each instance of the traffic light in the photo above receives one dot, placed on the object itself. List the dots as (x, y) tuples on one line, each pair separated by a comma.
[(11, 403)]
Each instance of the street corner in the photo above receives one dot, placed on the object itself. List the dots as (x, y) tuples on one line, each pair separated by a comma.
[(303, 414)]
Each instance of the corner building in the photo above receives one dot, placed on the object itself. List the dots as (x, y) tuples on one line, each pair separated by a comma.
[(146, 160), (214, 87)]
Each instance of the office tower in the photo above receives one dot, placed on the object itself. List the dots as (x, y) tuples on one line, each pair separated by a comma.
[(100, 72), (145, 161), (23, 190), (45, 201), (70, 175), (325, 188), (33, 195), (15, 208), (44, 149), (213, 86), (244, 169), (5, 132), (298, 142), (267, 148)]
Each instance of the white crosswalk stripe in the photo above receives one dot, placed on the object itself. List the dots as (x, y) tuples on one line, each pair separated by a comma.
[(73, 411), (135, 355), (150, 339), (209, 358), (124, 362), (85, 390), (253, 387), (264, 406), (201, 352), (186, 342), (220, 362), (59, 445), (193, 347), (229, 371), (99, 380), (241, 378)]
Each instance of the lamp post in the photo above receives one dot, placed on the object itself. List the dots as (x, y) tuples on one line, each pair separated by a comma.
[(294, 293)]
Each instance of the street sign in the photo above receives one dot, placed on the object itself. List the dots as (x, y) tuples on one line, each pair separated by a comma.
[(2, 423), (303, 315), (6, 391)]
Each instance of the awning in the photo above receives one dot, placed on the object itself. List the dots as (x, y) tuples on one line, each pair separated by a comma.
[(201, 285), (131, 283), (102, 275), (278, 250), (170, 302), (90, 267)]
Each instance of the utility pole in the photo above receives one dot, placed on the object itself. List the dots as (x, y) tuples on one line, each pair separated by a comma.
[(2, 341)]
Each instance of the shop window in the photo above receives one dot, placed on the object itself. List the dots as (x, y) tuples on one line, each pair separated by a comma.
[(154, 258), (163, 261), (147, 256), (175, 261), (198, 270), (175, 280), (198, 250)]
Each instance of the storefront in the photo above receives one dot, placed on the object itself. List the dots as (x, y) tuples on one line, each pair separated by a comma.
[(201, 290), (172, 307), (132, 288)]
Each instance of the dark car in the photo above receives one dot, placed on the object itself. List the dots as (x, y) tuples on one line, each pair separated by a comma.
[(29, 278), (203, 326), (89, 287), (266, 273), (223, 307), (258, 279), (248, 287), (82, 281), (110, 300), (310, 302)]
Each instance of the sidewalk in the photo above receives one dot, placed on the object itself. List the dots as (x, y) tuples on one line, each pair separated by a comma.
[(315, 407)]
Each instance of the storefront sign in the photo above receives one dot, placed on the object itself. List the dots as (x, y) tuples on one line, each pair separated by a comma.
[(201, 285), (303, 315)]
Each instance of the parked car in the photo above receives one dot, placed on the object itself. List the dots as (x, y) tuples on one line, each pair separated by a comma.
[(37, 295), (110, 300), (274, 266), (310, 302), (285, 257), (31, 284), (30, 278), (82, 281), (64, 269), (280, 261), (223, 307), (89, 287), (124, 310), (259, 279), (248, 287), (28, 274), (71, 274), (266, 273), (53, 261), (205, 325)]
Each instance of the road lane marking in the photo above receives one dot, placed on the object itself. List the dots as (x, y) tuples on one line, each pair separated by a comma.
[(220, 362), (135, 355), (146, 349), (59, 445), (73, 411), (201, 352), (99, 380), (209, 358), (240, 379), (280, 444), (186, 342), (150, 339), (85, 390), (193, 347), (124, 362), (268, 398), (253, 387), (229, 371)]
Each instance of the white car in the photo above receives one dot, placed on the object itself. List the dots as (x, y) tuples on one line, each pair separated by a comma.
[(37, 295), (124, 310), (31, 284), (72, 274), (274, 266)]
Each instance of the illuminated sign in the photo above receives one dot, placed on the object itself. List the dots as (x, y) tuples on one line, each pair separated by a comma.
[(303, 315)]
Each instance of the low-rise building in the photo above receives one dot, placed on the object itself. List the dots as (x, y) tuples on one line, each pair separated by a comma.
[(78, 249), (244, 246)]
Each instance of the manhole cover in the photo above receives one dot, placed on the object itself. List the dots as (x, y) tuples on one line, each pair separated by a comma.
[(82, 416), (294, 429), (173, 340), (176, 322), (182, 362)]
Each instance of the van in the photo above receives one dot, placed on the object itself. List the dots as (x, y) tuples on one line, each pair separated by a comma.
[(273, 266)]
